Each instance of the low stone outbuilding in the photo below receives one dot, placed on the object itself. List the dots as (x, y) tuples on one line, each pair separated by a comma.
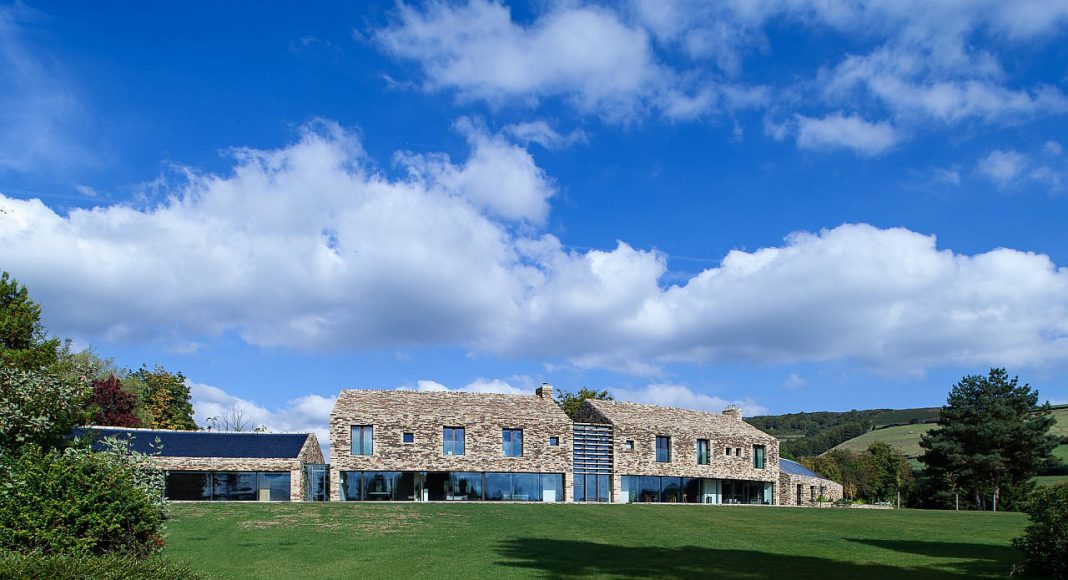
[(219, 466), (800, 486)]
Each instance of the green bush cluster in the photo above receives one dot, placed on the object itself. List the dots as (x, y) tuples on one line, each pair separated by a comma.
[(1045, 541), (80, 502), (38, 566)]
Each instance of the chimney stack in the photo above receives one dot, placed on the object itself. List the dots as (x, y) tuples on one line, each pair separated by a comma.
[(545, 391), (733, 411)]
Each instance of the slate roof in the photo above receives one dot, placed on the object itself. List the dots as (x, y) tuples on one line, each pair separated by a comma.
[(795, 468), (623, 413), (206, 443)]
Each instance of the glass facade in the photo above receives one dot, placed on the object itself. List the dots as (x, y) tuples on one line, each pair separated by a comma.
[(592, 487), (663, 449), (362, 439), (451, 486), (512, 442), (453, 438), (317, 482), (652, 489), (227, 485)]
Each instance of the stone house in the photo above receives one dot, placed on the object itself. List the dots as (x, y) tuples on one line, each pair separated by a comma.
[(650, 453), (800, 486), (217, 466), (449, 446)]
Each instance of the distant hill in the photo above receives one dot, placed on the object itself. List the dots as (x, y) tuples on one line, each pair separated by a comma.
[(814, 433)]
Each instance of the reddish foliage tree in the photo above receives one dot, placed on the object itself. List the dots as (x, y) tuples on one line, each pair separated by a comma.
[(116, 405)]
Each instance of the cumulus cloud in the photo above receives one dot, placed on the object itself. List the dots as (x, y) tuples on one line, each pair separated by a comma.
[(479, 385), (306, 414), (840, 131), (309, 247), (675, 395), (1008, 168), (1002, 166)]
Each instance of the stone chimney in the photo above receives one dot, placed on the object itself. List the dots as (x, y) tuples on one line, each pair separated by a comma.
[(733, 411), (545, 391)]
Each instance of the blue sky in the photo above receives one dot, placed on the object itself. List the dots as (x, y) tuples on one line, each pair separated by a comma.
[(788, 205)]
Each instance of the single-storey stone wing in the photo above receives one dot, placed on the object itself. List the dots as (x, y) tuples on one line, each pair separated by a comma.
[(436, 446), (632, 452), (799, 485), (206, 465)]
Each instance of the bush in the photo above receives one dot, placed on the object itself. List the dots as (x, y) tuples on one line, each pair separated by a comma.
[(80, 502), (37, 566), (1045, 541)]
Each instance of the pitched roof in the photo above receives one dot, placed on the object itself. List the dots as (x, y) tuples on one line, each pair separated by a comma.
[(205, 443), (447, 403), (795, 468), (623, 413)]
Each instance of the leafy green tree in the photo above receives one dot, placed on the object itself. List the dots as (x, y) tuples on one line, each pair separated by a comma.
[(989, 437), (40, 408), (570, 402), (23, 341), (1045, 541), (166, 397)]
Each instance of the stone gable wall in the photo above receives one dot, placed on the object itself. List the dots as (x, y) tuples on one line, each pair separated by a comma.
[(788, 489), (482, 419)]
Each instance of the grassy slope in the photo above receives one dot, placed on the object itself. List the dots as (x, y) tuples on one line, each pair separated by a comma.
[(339, 540), (904, 438)]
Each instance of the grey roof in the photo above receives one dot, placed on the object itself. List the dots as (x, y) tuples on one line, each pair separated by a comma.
[(205, 443), (795, 468)]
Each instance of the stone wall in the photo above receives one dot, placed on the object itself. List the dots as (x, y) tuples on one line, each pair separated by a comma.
[(811, 489), (642, 424), (425, 414)]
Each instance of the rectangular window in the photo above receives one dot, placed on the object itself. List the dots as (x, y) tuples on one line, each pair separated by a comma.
[(663, 449), (454, 441), (512, 442), (737, 451), (758, 456), (408, 438), (629, 445), (362, 436), (727, 451), (702, 452)]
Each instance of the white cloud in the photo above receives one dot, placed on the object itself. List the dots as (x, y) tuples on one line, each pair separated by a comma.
[(1002, 166), (541, 133), (840, 131), (306, 414), (479, 385), (309, 247), (675, 395), (1012, 168)]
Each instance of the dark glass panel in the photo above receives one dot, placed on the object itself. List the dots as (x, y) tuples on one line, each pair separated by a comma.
[(465, 486), (379, 485), (670, 489), (526, 487), (351, 485), (188, 486), (648, 489), (629, 487), (405, 489), (579, 487), (274, 486), (552, 485), (691, 490), (234, 486), (317, 482), (604, 484), (498, 486), (663, 449)]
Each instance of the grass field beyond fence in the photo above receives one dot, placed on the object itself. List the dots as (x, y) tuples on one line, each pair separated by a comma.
[(339, 540)]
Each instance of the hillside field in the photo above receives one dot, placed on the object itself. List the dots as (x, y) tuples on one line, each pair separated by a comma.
[(394, 540)]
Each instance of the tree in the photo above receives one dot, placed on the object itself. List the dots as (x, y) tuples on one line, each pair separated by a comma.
[(39, 408), (990, 437), (114, 405), (167, 399), (570, 402), (23, 341)]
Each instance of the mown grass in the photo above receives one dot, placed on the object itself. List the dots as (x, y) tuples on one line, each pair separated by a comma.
[(342, 540)]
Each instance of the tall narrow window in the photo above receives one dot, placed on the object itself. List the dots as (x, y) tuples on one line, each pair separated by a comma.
[(663, 449), (758, 456), (702, 452), (512, 442), (362, 439), (454, 441)]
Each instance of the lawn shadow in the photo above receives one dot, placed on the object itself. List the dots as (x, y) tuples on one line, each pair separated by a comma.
[(971, 558), (566, 558)]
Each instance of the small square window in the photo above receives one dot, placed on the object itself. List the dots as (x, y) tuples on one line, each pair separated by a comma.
[(408, 438), (738, 451), (554, 441), (629, 444)]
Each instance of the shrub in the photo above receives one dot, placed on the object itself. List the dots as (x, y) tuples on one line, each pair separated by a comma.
[(80, 502), (1045, 541), (36, 566)]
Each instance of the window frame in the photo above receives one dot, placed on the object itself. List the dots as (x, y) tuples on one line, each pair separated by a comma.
[(447, 440), (707, 457), (554, 441), (367, 436), (508, 442), (760, 452), (666, 448), (407, 438)]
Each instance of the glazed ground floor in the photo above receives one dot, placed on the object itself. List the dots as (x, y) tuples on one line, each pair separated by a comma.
[(190, 485)]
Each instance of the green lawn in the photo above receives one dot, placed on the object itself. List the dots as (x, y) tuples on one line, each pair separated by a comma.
[(339, 540)]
